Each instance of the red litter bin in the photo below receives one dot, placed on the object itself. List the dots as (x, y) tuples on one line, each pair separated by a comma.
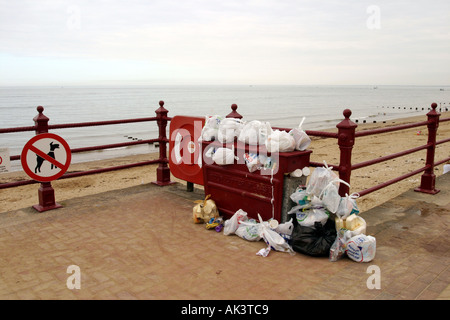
[(234, 187)]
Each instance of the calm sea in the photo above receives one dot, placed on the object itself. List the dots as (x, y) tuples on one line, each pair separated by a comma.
[(282, 106)]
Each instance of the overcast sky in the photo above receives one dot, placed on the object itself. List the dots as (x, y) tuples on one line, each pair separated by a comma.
[(224, 42)]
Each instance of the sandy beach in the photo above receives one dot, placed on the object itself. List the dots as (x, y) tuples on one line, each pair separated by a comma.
[(365, 148)]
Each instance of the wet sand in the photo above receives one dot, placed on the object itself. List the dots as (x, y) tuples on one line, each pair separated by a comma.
[(366, 148)]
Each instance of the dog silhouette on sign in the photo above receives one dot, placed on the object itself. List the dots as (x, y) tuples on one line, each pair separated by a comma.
[(40, 160)]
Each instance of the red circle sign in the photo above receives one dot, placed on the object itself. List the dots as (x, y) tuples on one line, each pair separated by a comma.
[(38, 151)]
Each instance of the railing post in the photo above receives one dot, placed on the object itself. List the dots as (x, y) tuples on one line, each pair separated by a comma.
[(163, 171), (46, 193), (346, 140), (234, 113), (428, 179)]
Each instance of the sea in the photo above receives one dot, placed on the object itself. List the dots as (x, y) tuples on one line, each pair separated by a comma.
[(282, 106)]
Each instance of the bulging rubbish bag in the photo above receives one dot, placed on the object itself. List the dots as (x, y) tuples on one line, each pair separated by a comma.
[(204, 210), (347, 206), (361, 248), (229, 128), (346, 229), (230, 226), (300, 196), (211, 128), (302, 140), (249, 230), (285, 230), (319, 179), (330, 195), (274, 240), (223, 156), (254, 132), (279, 141), (307, 216), (315, 241), (252, 161)]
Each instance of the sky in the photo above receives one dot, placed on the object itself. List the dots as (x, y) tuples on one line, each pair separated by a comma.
[(272, 42)]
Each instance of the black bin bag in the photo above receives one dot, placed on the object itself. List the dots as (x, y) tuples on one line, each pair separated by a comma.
[(315, 241)]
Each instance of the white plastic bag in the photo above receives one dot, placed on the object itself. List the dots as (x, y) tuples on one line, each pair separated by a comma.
[(348, 206), (211, 128), (337, 249), (249, 230), (254, 132), (230, 226), (223, 156), (361, 248), (252, 161), (330, 195), (229, 128), (285, 230), (279, 141), (306, 215), (302, 140), (316, 202), (300, 196), (273, 239), (264, 252), (266, 162), (319, 179)]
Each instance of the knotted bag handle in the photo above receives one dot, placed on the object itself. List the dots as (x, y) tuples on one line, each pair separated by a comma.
[(204, 201)]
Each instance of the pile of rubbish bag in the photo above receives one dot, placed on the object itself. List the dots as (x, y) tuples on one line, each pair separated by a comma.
[(328, 224), (254, 132), (322, 223)]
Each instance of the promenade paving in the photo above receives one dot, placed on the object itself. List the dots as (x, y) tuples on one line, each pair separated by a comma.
[(140, 243)]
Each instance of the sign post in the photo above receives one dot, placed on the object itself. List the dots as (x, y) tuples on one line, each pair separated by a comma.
[(45, 158), (5, 165)]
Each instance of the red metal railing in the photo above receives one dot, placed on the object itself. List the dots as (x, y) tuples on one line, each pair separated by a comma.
[(46, 198), (347, 135)]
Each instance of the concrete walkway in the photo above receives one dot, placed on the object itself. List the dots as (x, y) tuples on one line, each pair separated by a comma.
[(140, 243)]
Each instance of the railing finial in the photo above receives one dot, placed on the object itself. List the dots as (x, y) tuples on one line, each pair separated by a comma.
[(347, 113), (234, 113)]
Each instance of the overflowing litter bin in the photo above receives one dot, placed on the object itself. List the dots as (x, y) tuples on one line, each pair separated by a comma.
[(256, 178), (233, 186)]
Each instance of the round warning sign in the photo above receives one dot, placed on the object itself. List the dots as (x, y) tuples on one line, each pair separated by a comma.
[(46, 157)]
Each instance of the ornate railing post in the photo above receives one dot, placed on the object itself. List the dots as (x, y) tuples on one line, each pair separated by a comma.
[(346, 140), (46, 193), (428, 179), (163, 171)]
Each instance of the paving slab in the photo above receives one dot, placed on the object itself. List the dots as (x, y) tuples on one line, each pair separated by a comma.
[(140, 243)]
